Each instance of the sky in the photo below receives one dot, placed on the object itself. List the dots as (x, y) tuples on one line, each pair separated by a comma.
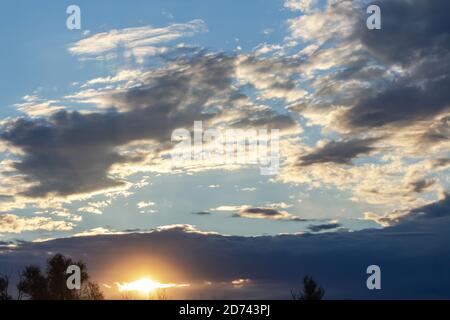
[(88, 116)]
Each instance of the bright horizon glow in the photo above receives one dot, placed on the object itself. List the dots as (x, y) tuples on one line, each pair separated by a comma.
[(146, 285)]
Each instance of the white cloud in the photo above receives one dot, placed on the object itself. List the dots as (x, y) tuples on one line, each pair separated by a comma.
[(300, 5), (10, 223), (138, 42), (95, 232), (143, 204), (34, 106), (95, 207)]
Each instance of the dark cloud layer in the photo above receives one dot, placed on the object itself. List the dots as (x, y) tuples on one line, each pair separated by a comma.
[(434, 210), (276, 263)]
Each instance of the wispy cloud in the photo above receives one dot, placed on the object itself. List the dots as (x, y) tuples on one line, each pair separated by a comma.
[(139, 42)]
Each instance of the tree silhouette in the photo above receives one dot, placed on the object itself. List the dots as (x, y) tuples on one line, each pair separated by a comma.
[(57, 278), (35, 285), (4, 284), (310, 291)]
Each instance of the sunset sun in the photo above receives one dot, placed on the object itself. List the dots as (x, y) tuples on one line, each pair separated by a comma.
[(145, 286)]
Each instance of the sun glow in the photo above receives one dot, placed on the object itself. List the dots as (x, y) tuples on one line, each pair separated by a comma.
[(145, 285)]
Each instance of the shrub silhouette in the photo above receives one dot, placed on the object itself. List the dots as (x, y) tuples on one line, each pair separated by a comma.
[(52, 285), (310, 291)]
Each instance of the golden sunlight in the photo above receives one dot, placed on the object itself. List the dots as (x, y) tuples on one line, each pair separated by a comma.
[(146, 285)]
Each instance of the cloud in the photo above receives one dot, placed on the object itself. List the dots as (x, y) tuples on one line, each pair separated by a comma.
[(341, 152), (239, 283), (121, 76), (34, 106), (227, 208), (268, 119), (145, 207), (422, 185), (72, 153), (393, 78), (273, 77), (249, 189), (143, 204), (10, 223), (95, 232), (95, 207), (266, 213), (301, 5), (138, 42), (401, 105), (275, 264), (269, 211), (362, 84), (433, 210), (324, 227)]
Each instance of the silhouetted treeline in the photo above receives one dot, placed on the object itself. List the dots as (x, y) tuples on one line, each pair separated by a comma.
[(51, 284)]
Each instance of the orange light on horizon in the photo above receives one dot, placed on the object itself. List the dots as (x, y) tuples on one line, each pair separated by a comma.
[(146, 285)]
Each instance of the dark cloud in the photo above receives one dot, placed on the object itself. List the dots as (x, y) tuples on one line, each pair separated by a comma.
[(337, 260), (324, 227), (402, 105), (342, 152), (202, 213), (422, 185), (431, 211), (267, 119), (263, 211), (439, 163), (70, 153), (411, 30), (266, 213), (416, 36), (391, 78), (5, 243)]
